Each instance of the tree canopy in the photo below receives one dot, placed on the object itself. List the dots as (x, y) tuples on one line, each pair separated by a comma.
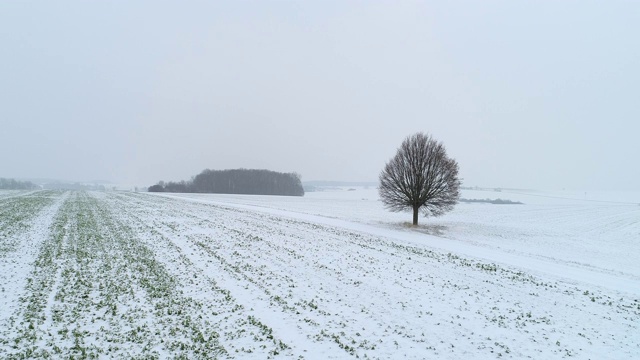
[(420, 176), (12, 184), (237, 181)]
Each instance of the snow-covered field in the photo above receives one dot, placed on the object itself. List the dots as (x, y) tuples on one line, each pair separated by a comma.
[(329, 275)]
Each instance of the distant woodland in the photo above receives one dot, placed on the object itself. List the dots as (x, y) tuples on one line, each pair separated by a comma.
[(491, 201), (11, 184), (237, 181)]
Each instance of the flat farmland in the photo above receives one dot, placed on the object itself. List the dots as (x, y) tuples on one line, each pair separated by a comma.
[(327, 276)]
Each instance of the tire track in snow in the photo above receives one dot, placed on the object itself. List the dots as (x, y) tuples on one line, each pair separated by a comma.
[(15, 269), (573, 273), (198, 264), (466, 300)]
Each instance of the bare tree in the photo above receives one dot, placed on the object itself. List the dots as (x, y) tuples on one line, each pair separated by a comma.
[(421, 175)]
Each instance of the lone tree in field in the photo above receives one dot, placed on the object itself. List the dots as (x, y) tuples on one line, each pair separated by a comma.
[(421, 175)]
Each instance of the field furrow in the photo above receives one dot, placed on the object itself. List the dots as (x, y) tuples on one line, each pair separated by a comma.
[(370, 296), (126, 275), (25, 220)]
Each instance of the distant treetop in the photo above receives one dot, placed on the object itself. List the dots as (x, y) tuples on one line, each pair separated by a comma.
[(11, 184)]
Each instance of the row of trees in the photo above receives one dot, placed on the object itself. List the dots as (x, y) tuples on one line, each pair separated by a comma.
[(237, 181), (11, 184), (491, 201)]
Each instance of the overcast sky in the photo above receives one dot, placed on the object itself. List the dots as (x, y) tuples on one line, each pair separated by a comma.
[(525, 94)]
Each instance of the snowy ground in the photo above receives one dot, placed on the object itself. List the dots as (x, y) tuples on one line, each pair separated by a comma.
[(329, 275)]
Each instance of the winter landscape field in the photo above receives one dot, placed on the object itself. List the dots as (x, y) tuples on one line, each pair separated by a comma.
[(330, 275)]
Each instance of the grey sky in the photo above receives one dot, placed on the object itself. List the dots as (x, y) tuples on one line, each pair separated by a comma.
[(522, 93)]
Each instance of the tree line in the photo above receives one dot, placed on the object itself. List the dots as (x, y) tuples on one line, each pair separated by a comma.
[(236, 181), (12, 184), (491, 201)]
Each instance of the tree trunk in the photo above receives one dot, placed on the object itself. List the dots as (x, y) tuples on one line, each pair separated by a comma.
[(415, 215)]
